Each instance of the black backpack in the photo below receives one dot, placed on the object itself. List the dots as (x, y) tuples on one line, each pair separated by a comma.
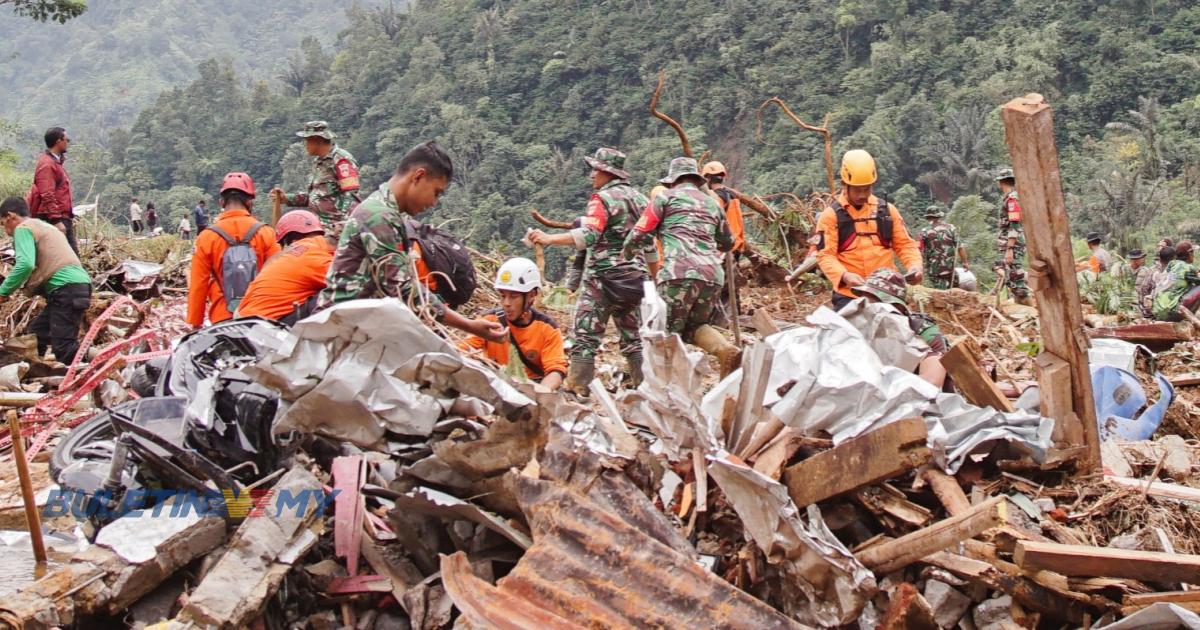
[(447, 258), (848, 232)]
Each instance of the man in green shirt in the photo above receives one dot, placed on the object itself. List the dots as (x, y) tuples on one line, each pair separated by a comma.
[(47, 266)]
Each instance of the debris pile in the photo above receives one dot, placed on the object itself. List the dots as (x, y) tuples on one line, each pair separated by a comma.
[(357, 470)]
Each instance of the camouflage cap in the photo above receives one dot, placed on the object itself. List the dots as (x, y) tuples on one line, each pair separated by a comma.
[(318, 128), (608, 160), (886, 284), (1136, 254), (1005, 173), (1093, 237), (935, 211), (680, 167)]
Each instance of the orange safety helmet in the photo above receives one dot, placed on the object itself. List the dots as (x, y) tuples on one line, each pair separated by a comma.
[(238, 181), (858, 168), (298, 222), (714, 168)]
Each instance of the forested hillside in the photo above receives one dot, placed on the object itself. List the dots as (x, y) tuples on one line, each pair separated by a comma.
[(98, 70), (521, 90)]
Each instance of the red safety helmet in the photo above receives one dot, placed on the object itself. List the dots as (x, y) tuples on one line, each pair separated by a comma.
[(298, 222), (238, 181)]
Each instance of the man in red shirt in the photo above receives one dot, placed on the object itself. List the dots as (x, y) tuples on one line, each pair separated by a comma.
[(235, 227), (50, 197), (287, 287), (532, 334)]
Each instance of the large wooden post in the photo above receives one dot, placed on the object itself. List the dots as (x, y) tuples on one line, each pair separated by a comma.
[(1029, 132)]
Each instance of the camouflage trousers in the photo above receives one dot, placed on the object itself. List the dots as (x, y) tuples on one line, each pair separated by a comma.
[(690, 304), (939, 278), (591, 317), (1014, 277)]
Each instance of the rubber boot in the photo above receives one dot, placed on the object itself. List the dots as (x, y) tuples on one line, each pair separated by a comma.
[(579, 376), (635, 370), (729, 356)]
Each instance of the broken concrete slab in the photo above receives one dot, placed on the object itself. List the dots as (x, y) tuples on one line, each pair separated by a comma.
[(948, 604)]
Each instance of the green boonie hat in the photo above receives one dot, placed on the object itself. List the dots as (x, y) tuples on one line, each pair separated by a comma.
[(886, 284), (608, 160), (935, 211), (680, 167), (318, 128), (1005, 173)]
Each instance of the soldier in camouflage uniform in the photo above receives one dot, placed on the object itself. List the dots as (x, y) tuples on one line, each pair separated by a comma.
[(940, 249), (333, 186), (695, 234), (372, 259), (610, 215), (1010, 240)]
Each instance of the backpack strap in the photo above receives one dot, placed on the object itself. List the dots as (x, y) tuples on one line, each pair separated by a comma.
[(229, 240), (252, 231)]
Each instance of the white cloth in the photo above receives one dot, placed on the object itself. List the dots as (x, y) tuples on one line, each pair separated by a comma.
[(135, 212)]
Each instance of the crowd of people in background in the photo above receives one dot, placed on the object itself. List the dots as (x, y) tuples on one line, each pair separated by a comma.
[(341, 245)]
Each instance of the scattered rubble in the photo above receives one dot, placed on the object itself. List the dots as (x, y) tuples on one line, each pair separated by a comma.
[(821, 485)]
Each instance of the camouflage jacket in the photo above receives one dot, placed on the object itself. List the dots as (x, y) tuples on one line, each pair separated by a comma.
[(694, 234), (1008, 222), (372, 258), (1143, 282), (939, 249), (332, 187), (611, 214)]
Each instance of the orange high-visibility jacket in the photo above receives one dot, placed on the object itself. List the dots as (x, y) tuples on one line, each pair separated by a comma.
[(289, 279), (737, 223), (204, 286), (866, 253), (540, 341)]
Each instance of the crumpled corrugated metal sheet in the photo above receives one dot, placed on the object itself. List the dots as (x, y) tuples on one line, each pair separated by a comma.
[(824, 584), (839, 384), (590, 568), (363, 368)]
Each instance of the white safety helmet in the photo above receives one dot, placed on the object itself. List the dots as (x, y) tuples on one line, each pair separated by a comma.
[(518, 274)]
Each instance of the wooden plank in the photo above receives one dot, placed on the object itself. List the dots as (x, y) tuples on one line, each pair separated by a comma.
[(1174, 597), (899, 553), (962, 364), (884, 453), (1157, 336), (1054, 383), (886, 502), (1184, 380), (947, 490), (1157, 489), (762, 322), (1082, 560), (1029, 132)]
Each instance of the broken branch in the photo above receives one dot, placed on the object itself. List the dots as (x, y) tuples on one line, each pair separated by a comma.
[(683, 139), (550, 223), (824, 131)]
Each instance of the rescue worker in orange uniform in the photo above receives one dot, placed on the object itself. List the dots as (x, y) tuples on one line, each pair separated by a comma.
[(286, 289), (236, 235), (714, 172), (861, 234), (534, 335)]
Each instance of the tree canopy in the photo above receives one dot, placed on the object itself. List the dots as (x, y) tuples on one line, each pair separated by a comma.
[(520, 91)]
